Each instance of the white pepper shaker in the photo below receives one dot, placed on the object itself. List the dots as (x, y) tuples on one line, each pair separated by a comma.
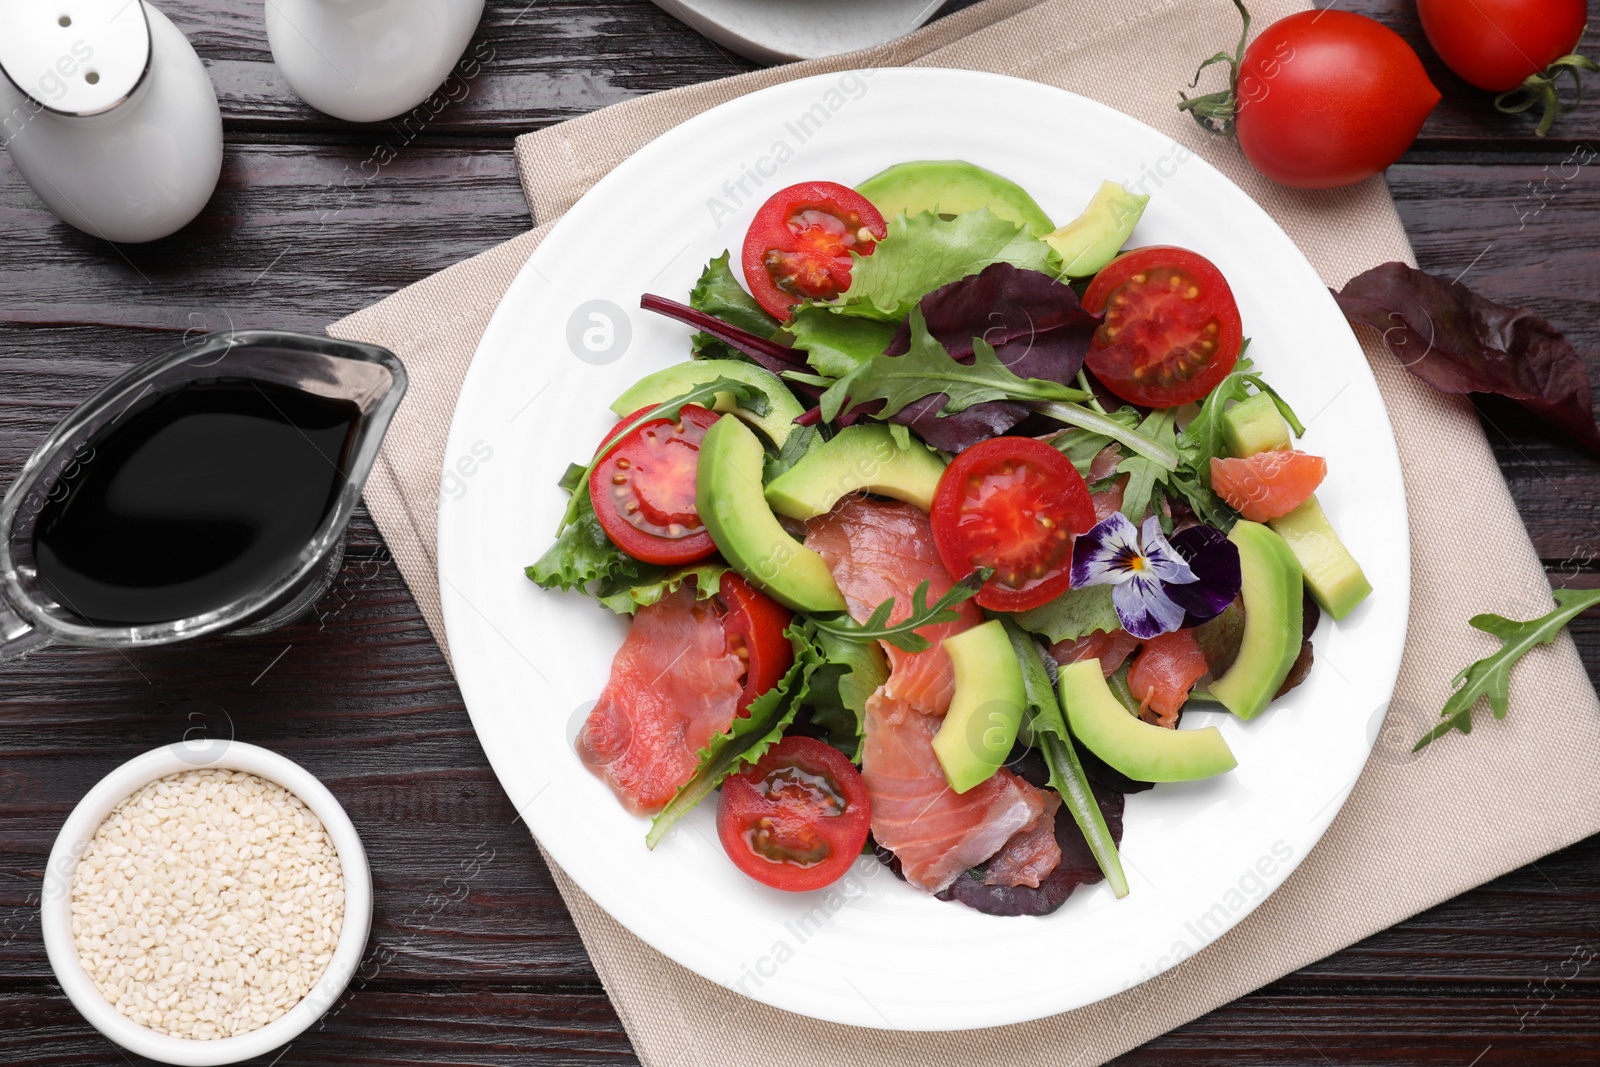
[(109, 115), (368, 60)]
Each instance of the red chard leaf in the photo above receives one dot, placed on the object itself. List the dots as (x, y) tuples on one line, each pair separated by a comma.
[(1459, 342), (1036, 326)]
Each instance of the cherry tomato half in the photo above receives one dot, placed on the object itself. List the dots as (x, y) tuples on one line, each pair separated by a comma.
[(1329, 98), (1171, 331), (643, 490), (799, 244), (754, 625), (798, 818), (1014, 504), (1495, 44)]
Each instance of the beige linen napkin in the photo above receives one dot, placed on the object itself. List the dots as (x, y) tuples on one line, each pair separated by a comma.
[(1415, 831)]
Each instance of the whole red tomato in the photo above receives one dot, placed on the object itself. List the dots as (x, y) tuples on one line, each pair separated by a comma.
[(1329, 98), (1498, 44), (1322, 99)]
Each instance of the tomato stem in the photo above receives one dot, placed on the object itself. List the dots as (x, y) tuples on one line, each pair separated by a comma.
[(1097, 422), (1215, 111), (1543, 89)]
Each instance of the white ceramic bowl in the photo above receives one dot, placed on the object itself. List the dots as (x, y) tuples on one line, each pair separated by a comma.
[(56, 904)]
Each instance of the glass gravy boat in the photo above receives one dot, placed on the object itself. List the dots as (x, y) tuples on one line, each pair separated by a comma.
[(369, 377)]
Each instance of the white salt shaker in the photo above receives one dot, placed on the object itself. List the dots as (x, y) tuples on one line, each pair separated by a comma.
[(368, 60), (109, 115)]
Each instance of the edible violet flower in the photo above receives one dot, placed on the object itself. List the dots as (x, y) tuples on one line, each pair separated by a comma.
[(1156, 589)]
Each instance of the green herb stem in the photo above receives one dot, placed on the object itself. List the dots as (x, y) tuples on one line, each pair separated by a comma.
[(1073, 785), (902, 634), (1098, 422)]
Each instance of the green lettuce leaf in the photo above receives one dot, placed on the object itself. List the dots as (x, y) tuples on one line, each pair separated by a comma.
[(923, 252), (837, 344), (748, 739), (653, 583), (1074, 614), (583, 554), (719, 293)]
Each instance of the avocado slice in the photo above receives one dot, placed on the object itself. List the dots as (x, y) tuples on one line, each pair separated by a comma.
[(1093, 239), (1274, 591), (679, 378), (859, 458), (1136, 748), (1335, 579), (952, 187), (986, 710), (744, 529)]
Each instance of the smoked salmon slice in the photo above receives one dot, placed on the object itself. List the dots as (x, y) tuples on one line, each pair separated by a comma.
[(876, 551), (1031, 854), (936, 832), (674, 685), (1111, 649)]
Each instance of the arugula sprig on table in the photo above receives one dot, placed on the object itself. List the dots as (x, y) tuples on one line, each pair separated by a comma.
[(576, 480), (1491, 676), (902, 634)]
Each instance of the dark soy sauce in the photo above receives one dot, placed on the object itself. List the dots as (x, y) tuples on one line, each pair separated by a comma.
[(193, 500)]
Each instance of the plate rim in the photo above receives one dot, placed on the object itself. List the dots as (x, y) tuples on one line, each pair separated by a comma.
[(621, 173)]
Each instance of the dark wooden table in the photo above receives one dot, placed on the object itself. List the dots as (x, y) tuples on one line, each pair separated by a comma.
[(293, 239)]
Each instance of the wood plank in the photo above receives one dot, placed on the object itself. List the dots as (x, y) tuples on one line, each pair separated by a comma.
[(531, 65), (1523, 234)]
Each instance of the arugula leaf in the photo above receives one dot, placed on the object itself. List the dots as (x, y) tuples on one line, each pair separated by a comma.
[(748, 396), (902, 634), (1074, 614), (923, 252), (799, 442), (1110, 426), (1081, 446), (901, 436), (837, 344), (748, 738), (928, 370), (1491, 676), (851, 672), (653, 583), (1203, 439), (582, 554), (1143, 473), (719, 293), (1048, 725)]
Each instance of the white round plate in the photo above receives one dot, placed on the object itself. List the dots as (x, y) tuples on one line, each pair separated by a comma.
[(569, 337)]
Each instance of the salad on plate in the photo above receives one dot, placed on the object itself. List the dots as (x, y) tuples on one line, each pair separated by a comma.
[(948, 519)]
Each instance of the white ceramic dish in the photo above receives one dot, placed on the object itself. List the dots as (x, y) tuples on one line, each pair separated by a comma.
[(775, 31), (530, 663), (56, 906)]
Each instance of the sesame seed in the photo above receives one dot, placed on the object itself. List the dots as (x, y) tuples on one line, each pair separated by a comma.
[(207, 904)]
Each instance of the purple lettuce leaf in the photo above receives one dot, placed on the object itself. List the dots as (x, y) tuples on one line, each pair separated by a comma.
[(1460, 342), (1077, 867), (1036, 326)]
